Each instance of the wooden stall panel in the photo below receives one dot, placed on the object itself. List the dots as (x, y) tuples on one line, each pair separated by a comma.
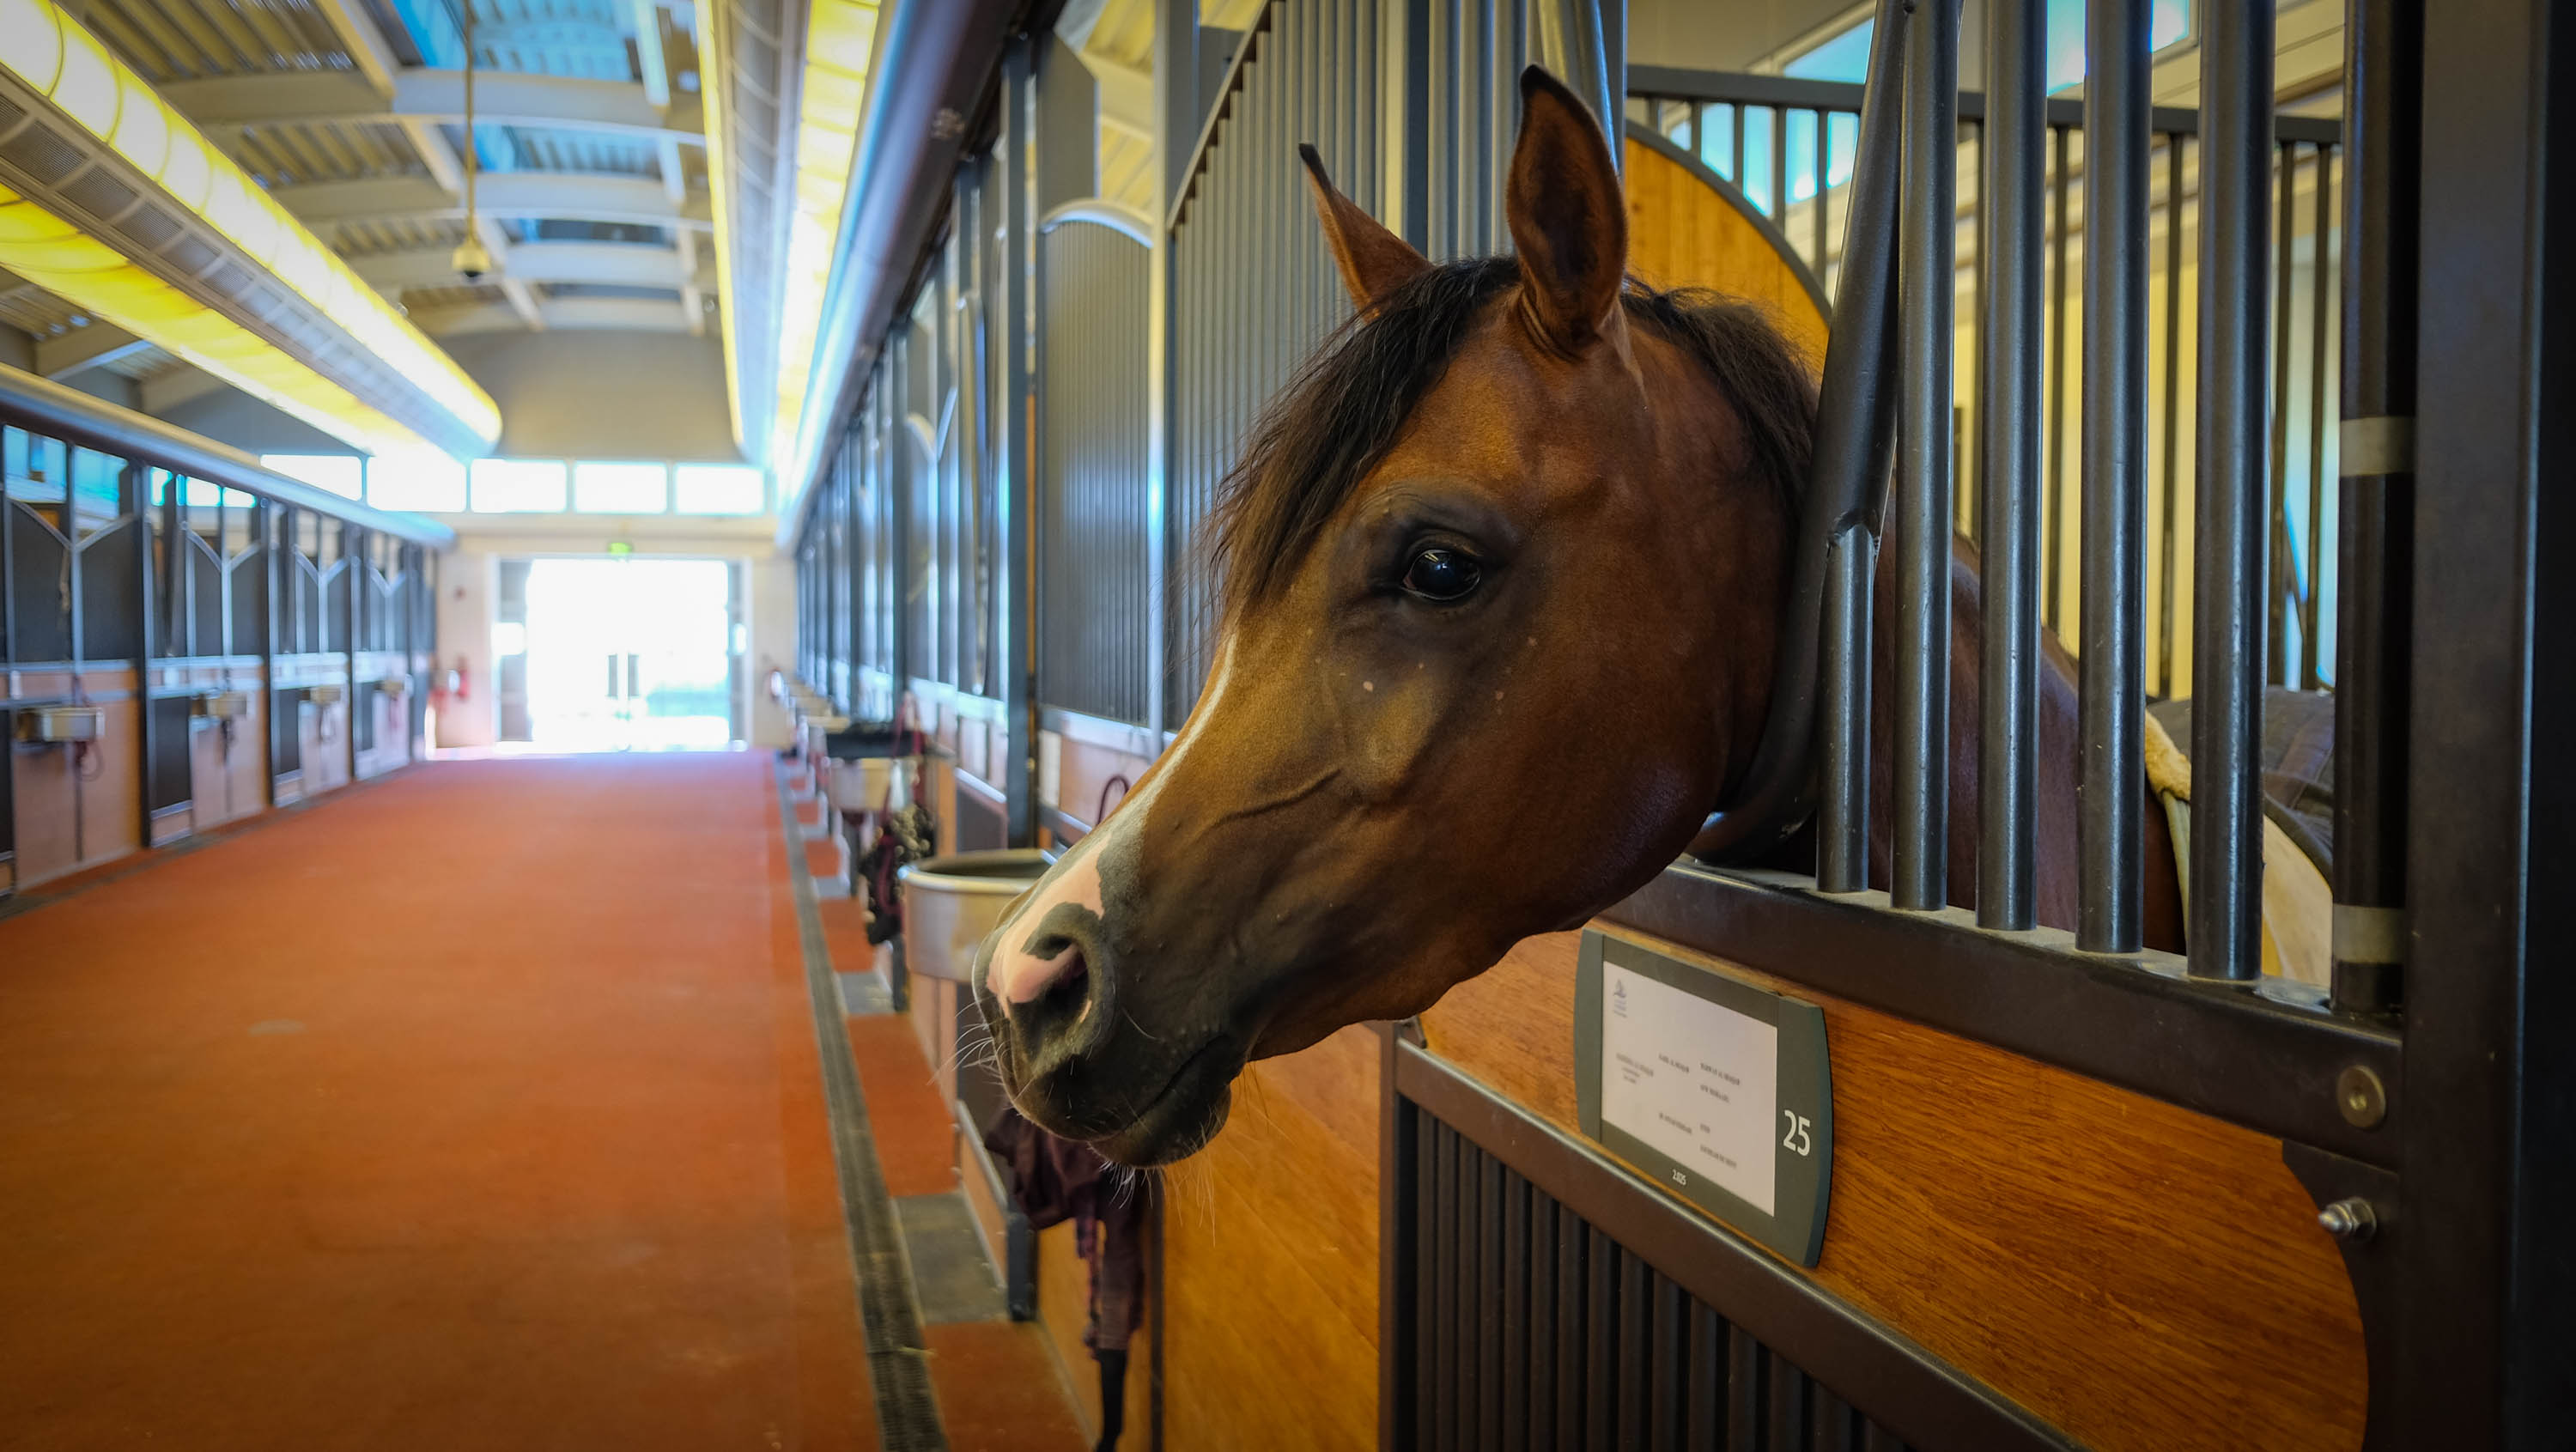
[(2147, 1278), (111, 785), (42, 794), (1088, 775), (209, 774), (1681, 233), (1270, 1261)]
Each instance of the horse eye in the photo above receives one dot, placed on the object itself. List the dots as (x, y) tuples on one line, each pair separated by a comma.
[(1441, 575)]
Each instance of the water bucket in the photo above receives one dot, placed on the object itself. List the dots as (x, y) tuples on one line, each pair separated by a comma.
[(951, 902)]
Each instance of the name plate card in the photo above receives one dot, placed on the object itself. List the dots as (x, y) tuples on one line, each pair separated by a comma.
[(1722, 1091)]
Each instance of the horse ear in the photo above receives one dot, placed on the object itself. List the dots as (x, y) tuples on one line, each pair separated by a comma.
[(1568, 217), (1374, 261)]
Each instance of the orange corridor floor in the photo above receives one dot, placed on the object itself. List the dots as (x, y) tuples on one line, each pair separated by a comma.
[(474, 1108)]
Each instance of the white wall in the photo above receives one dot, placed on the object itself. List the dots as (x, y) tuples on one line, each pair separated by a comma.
[(469, 592)]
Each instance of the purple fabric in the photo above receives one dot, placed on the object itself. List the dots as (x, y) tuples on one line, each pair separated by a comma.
[(1054, 1180)]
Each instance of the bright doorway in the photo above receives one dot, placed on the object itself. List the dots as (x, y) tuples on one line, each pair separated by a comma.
[(629, 654)]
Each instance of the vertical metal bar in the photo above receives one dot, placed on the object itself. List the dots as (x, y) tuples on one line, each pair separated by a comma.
[(2115, 276), (1601, 1391), (1744, 1388), (1569, 40), (1824, 175), (1429, 1135), (2169, 541), (1573, 1341), (1636, 1349), (1509, 1365), (1780, 164), (2320, 278), (1668, 1387), (1491, 1267), (1177, 111), (2062, 182), (1853, 437), (2375, 539), (2225, 930), (1704, 1378), (1739, 115), (1538, 1356), (2008, 397), (1927, 273), (1968, 438), (1017, 615), (2285, 157)]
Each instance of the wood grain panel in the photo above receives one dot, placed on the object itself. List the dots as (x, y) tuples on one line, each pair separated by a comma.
[(40, 789), (1270, 1247), (1064, 1309), (247, 763), (1683, 234), (1086, 772), (2149, 1279), (111, 793)]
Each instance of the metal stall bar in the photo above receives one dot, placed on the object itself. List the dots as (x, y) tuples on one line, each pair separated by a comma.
[(2115, 366), (1823, 661), (1008, 316), (2011, 196), (2320, 283), (2061, 183), (2225, 897), (2383, 76), (2284, 583), (1927, 273), (2166, 607)]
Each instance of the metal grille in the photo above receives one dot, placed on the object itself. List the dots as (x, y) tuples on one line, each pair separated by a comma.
[(1254, 289), (1094, 490), (1788, 146), (1533, 1329)]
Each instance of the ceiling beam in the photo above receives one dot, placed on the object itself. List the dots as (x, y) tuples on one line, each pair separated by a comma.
[(572, 195), (621, 263), (95, 346), (501, 98), (563, 314)]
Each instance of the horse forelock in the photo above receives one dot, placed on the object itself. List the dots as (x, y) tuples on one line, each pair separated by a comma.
[(1348, 405)]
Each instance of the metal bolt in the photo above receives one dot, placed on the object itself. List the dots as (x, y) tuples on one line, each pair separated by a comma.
[(2361, 1097), (2349, 1220), (946, 124)]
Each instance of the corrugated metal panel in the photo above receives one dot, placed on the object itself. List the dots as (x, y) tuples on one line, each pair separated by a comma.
[(1255, 289), (1093, 488), (1534, 1329)]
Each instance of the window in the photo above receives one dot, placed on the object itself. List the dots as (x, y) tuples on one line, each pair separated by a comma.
[(604, 488), (720, 489), (518, 486), (426, 482), (331, 473), (1845, 57)]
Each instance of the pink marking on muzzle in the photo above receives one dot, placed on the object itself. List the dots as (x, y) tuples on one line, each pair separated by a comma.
[(1015, 976)]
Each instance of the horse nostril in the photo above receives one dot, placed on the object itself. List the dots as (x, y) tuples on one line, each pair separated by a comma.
[(1070, 993), (1056, 1024)]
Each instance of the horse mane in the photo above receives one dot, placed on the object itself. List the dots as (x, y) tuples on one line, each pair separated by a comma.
[(1347, 406)]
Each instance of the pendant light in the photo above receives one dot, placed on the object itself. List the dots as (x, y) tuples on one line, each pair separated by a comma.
[(472, 258)]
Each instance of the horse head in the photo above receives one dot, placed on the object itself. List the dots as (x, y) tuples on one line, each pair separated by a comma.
[(1500, 576)]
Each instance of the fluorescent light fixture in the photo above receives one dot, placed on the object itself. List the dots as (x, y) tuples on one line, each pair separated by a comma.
[(719, 489), (55, 56), (839, 37), (606, 488)]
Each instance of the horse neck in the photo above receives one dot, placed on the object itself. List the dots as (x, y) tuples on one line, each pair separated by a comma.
[(2054, 844)]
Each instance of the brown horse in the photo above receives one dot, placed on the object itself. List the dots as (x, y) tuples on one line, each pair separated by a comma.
[(1503, 575)]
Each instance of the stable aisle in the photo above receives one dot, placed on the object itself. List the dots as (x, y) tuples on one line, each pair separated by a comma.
[(475, 1108)]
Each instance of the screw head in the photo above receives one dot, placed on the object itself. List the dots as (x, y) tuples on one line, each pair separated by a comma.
[(2361, 1097), (2349, 1220)]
